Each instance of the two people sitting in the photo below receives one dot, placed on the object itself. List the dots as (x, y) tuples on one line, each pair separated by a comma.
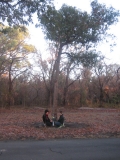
[(49, 123)]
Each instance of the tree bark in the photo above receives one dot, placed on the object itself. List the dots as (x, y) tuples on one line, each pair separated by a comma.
[(9, 90), (55, 93), (66, 86)]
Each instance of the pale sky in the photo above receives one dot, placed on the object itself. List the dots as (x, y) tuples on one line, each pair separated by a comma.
[(37, 37)]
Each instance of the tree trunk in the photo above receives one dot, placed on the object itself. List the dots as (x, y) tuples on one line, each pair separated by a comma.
[(101, 97), (65, 91), (65, 95), (55, 93), (9, 91)]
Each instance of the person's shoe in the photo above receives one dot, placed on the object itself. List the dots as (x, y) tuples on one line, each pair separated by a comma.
[(60, 126), (63, 125), (44, 125)]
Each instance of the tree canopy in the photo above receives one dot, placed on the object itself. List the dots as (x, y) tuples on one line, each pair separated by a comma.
[(13, 49), (21, 11), (70, 25)]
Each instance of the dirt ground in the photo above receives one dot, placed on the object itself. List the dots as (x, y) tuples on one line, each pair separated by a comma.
[(22, 124)]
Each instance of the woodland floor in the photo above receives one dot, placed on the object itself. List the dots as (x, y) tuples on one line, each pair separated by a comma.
[(22, 124)]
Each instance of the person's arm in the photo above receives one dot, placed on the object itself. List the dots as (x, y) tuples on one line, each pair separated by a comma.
[(44, 119), (49, 119)]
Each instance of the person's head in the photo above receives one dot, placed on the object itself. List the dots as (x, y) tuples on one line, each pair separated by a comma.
[(46, 111)]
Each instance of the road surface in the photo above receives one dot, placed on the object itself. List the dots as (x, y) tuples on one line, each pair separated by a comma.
[(75, 149)]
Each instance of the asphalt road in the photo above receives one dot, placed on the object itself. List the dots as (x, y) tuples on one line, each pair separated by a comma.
[(77, 149)]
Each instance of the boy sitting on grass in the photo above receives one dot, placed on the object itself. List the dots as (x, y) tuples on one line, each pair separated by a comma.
[(60, 122)]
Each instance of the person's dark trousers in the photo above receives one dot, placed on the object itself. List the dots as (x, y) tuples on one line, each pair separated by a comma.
[(57, 124), (49, 124)]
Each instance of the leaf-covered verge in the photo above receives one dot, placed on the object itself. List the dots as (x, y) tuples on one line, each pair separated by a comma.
[(22, 124)]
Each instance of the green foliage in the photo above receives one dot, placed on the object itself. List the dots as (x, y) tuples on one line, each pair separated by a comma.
[(87, 59), (70, 25), (21, 11), (13, 49), (105, 16), (77, 32)]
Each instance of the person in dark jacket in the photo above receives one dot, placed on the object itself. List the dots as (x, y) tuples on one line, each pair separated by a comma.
[(46, 119), (61, 118), (60, 122)]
